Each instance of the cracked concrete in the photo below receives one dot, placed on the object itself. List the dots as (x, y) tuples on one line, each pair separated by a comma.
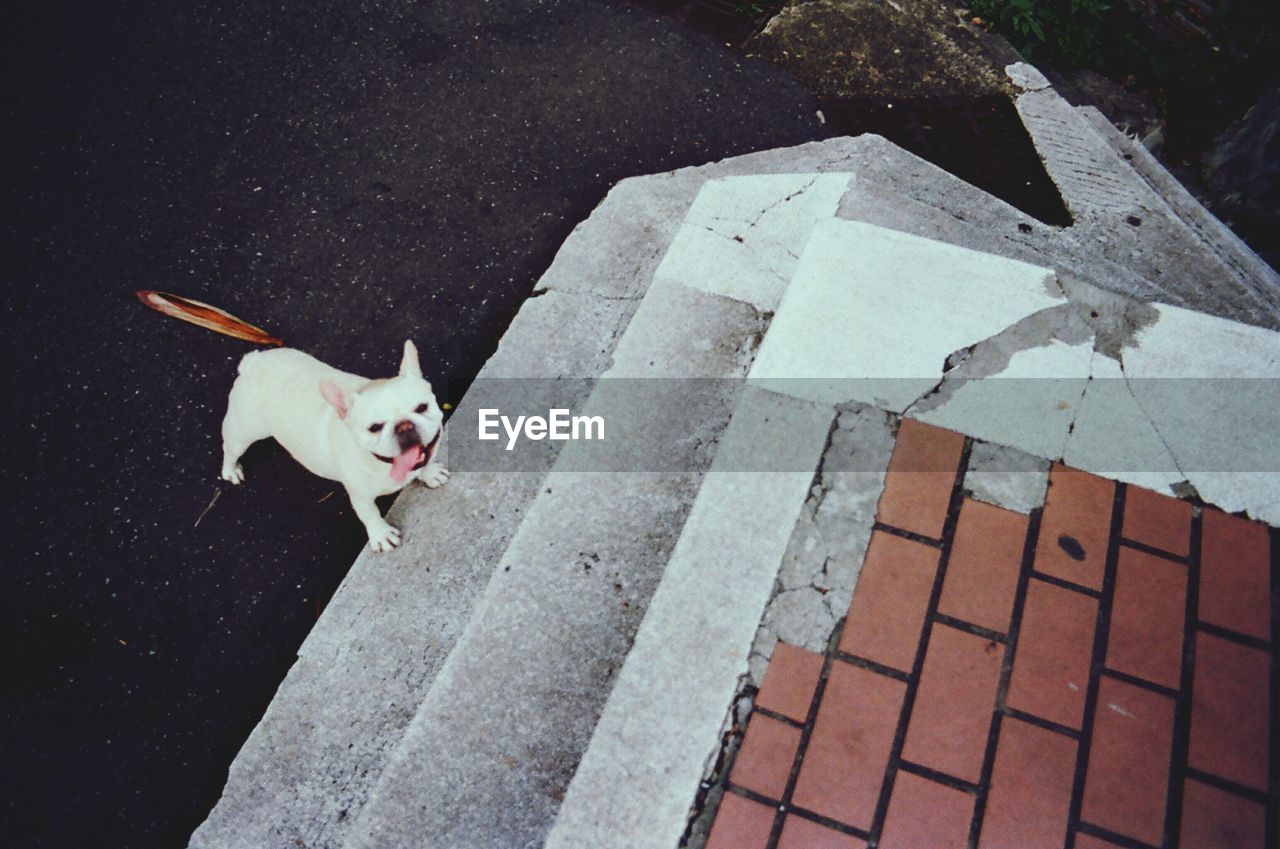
[(830, 537), (1005, 316), (743, 235), (1006, 477)]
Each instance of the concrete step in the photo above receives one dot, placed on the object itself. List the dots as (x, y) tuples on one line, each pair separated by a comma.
[(497, 738), (446, 695), (309, 768)]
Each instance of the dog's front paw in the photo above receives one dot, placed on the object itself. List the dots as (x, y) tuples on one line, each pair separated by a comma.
[(384, 538), (234, 474), (434, 475)]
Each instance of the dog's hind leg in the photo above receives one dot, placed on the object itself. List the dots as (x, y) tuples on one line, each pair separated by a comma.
[(237, 436)]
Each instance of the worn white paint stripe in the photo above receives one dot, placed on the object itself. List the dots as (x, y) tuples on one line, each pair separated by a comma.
[(662, 721), (743, 235), (872, 314)]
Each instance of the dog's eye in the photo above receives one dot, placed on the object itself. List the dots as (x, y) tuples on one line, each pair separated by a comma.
[(374, 428), (422, 408)]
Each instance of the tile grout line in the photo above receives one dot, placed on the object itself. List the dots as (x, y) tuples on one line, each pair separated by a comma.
[(1234, 636), (1134, 545), (801, 813), (1006, 673), (1115, 837), (1101, 632), (926, 629), (908, 535), (1226, 785), (1062, 583), (1140, 683), (1040, 722), (970, 628), (1182, 704), (869, 665), (802, 747)]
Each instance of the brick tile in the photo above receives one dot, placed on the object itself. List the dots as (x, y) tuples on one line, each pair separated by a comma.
[(1235, 574), (1230, 707), (1054, 652), (1157, 520), (1128, 776), (800, 833), (1086, 841), (922, 473), (890, 601), (1030, 795), (844, 764), (1148, 616), (789, 681), (764, 762), (924, 813), (952, 712), (986, 557), (740, 824), (1075, 527), (1216, 819)]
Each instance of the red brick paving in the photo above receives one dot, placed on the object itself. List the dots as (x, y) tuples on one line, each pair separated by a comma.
[(855, 725), (922, 475), (741, 824), (952, 713), (1075, 527), (986, 558), (1229, 712), (1158, 521), (902, 754), (800, 833), (1235, 575), (1148, 617), (1051, 669), (789, 681), (897, 575), (1030, 796), (1128, 775), (764, 761), (925, 813), (1216, 819)]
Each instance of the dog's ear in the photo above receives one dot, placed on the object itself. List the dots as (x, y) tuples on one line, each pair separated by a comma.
[(409, 363), (338, 398)]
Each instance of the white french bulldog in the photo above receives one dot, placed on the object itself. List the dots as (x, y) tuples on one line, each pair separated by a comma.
[(373, 436)]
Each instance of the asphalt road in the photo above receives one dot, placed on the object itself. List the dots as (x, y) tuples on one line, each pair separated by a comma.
[(346, 175)]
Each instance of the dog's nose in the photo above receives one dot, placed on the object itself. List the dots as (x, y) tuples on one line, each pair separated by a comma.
[(404, 426)]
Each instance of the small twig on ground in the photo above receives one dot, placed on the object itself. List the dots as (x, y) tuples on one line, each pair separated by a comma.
[(217, 493)]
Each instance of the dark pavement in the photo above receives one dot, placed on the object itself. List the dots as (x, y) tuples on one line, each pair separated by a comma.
[(346, 175)]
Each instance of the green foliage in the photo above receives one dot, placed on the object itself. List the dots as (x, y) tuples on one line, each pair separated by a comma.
[(1067, 31)]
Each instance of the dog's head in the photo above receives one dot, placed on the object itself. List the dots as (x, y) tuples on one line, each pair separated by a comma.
[(397, 419)]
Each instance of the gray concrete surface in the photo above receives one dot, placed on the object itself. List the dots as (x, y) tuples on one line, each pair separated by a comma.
[(345, 174), (830, 537), (649, 749), (495, 741), (587, 557), (1006, 477)]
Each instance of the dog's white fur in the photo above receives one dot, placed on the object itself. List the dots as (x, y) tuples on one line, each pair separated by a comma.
[(322, 416)]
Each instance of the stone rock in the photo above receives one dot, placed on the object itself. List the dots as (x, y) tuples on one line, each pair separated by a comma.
[(1131, 112), (1244, 174), (880, 48)]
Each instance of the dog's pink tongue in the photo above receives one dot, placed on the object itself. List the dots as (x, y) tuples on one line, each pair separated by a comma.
[(404, 463)]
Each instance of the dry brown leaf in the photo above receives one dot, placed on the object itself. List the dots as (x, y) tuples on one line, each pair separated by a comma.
[(206, 316)]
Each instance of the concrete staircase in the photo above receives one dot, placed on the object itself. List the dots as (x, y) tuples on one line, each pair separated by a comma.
[(519, 673)]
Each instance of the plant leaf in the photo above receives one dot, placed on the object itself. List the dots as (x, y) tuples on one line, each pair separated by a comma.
[(206, 316)]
